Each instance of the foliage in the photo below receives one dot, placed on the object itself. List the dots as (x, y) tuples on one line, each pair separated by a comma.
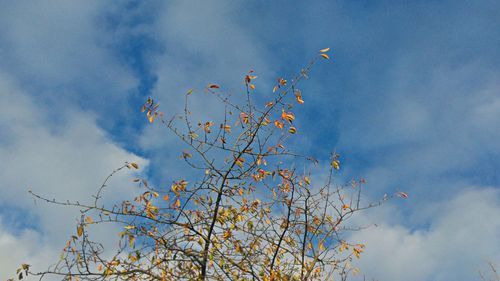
[(250, 214)]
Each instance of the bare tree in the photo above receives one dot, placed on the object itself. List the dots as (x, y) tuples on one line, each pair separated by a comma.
[(250, 214)]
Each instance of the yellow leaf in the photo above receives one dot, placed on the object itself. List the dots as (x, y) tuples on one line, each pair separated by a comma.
[(336, 164), (298, 97), (292, 130), (134, 165), (324, 50), (227, 234), (177, 203), (131, 240), (244, 117), (240, 162), (307, 180), (89, 220), (189, 92), (79, 230), (325, 56), (251, 86)]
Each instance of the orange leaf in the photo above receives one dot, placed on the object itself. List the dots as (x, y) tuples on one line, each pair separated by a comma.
[(292, 130), (279, 124), (325, 56), (298, 97), (288, 116), (213, 86)]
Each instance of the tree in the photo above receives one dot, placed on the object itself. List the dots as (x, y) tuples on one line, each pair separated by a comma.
[(250, 214)]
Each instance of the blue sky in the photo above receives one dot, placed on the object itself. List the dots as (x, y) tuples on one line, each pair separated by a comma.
[(410, 99)]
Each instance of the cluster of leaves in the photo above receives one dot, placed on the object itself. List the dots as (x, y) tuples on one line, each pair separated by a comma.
[(249, 215)]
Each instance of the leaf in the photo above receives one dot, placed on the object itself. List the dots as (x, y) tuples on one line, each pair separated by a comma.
[(134, 165), (189, 92), (251, 86), (213, 86), (288, 116), (177, 203), (186, 154), (165, 197), (324, 50), (336, 164), (325, 56), (131, 240), (403, 195), (89, 220), (292, 130), (298, 97), (279, 124), (79, 230), (244, 118), (307, 180), (240, 162)]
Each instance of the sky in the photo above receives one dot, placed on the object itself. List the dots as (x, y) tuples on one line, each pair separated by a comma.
[(410, 100)]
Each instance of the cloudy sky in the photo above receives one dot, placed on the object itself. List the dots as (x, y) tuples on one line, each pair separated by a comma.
[(410, 99)]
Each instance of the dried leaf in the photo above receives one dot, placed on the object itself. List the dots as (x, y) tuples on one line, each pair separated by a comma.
[(79, 230)]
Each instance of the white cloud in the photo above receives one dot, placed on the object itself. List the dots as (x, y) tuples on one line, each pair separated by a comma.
[(67, 159), (461, 237)]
